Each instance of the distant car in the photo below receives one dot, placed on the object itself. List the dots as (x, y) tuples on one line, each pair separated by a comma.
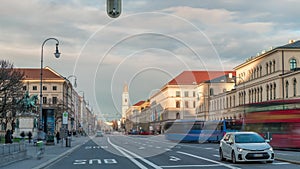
[(99, 134), (245, 146), (133, 132)]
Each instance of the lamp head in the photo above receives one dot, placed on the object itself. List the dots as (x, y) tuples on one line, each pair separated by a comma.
[(57, 54)]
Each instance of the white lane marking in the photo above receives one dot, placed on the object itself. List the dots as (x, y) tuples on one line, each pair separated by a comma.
[(168, 149), (187, 166), (172, 158), (280, 163), (141, 148), (158, 147), (216, 155), (135, 155), (127, 156), (208, 148), (206, 159)]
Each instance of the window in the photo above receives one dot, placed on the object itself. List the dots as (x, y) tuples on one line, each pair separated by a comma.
[(194, 104), (274, 89), (267, 92), (34, 87), (44, 87), (267, 68), (186, 104), (293, 64), (186, 94), (273, 65), (271, 88), (54, 100), (211, 91), (177, 104), (54, 87), (294, 87), (194, 94), (260, 71), (177, 93), (286, 89), (44, 100), (25, 88)]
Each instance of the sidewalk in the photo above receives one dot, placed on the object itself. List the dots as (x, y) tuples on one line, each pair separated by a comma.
[(52, 153), (288, 156)]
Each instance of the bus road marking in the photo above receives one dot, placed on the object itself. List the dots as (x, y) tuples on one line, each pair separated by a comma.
[(95, 161)]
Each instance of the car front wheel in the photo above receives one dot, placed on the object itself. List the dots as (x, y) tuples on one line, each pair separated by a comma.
[(233, 157), (221, 155)]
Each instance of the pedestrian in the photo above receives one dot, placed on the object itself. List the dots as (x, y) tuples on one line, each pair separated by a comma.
[(8, 137), (29, 137), (57, 137)]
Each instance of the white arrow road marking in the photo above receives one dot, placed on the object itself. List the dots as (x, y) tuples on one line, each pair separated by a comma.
[(172, 158)]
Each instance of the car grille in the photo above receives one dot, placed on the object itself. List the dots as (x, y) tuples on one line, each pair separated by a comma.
[(252, 156)]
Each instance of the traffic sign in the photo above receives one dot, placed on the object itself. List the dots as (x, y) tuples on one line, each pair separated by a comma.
[(65, 117)]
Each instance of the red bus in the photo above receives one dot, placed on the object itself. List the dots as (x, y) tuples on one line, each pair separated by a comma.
[(278, 121)]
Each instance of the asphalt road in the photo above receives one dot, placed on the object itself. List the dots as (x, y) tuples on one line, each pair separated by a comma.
[(130, 152)]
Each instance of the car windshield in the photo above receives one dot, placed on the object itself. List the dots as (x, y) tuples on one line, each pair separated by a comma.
[(248, 138)]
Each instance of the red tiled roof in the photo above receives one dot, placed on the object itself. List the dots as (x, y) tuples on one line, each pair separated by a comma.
[(192, 77), (35, 73), (139, 103)]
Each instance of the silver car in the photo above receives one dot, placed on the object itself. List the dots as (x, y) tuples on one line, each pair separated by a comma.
[(245, 146)]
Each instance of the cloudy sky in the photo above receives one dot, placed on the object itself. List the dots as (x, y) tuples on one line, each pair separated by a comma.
[(149, 44)]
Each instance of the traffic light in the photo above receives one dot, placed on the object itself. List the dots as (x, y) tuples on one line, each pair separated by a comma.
[(114, 8)]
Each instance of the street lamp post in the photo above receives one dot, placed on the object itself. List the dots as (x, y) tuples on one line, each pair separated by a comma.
[(57, 55)]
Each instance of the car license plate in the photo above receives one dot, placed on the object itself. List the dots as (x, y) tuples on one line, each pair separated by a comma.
[(257, 155)]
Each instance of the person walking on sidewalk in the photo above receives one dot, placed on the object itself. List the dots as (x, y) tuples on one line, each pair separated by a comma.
[(29, 137), (57, 137)]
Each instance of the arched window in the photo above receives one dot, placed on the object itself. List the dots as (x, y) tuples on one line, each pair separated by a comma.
[(273, 65), (267, 68), (177, 115), (293, 64), (260, 71), (267, 92), (294, 87), (286, 89), (233, 100), (271, 88), (270, 66), (274, 90), (261, 91)]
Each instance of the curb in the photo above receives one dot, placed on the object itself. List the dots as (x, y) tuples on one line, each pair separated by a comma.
[(57, 158), (290, 161)]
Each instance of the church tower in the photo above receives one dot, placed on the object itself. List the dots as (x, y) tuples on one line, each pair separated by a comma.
[(125, 100)]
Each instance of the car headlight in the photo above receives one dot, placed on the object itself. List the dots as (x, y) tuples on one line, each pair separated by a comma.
[(271, 149), (239, 149)]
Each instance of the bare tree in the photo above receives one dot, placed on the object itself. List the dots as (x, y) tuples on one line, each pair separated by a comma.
[(10, 91)]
